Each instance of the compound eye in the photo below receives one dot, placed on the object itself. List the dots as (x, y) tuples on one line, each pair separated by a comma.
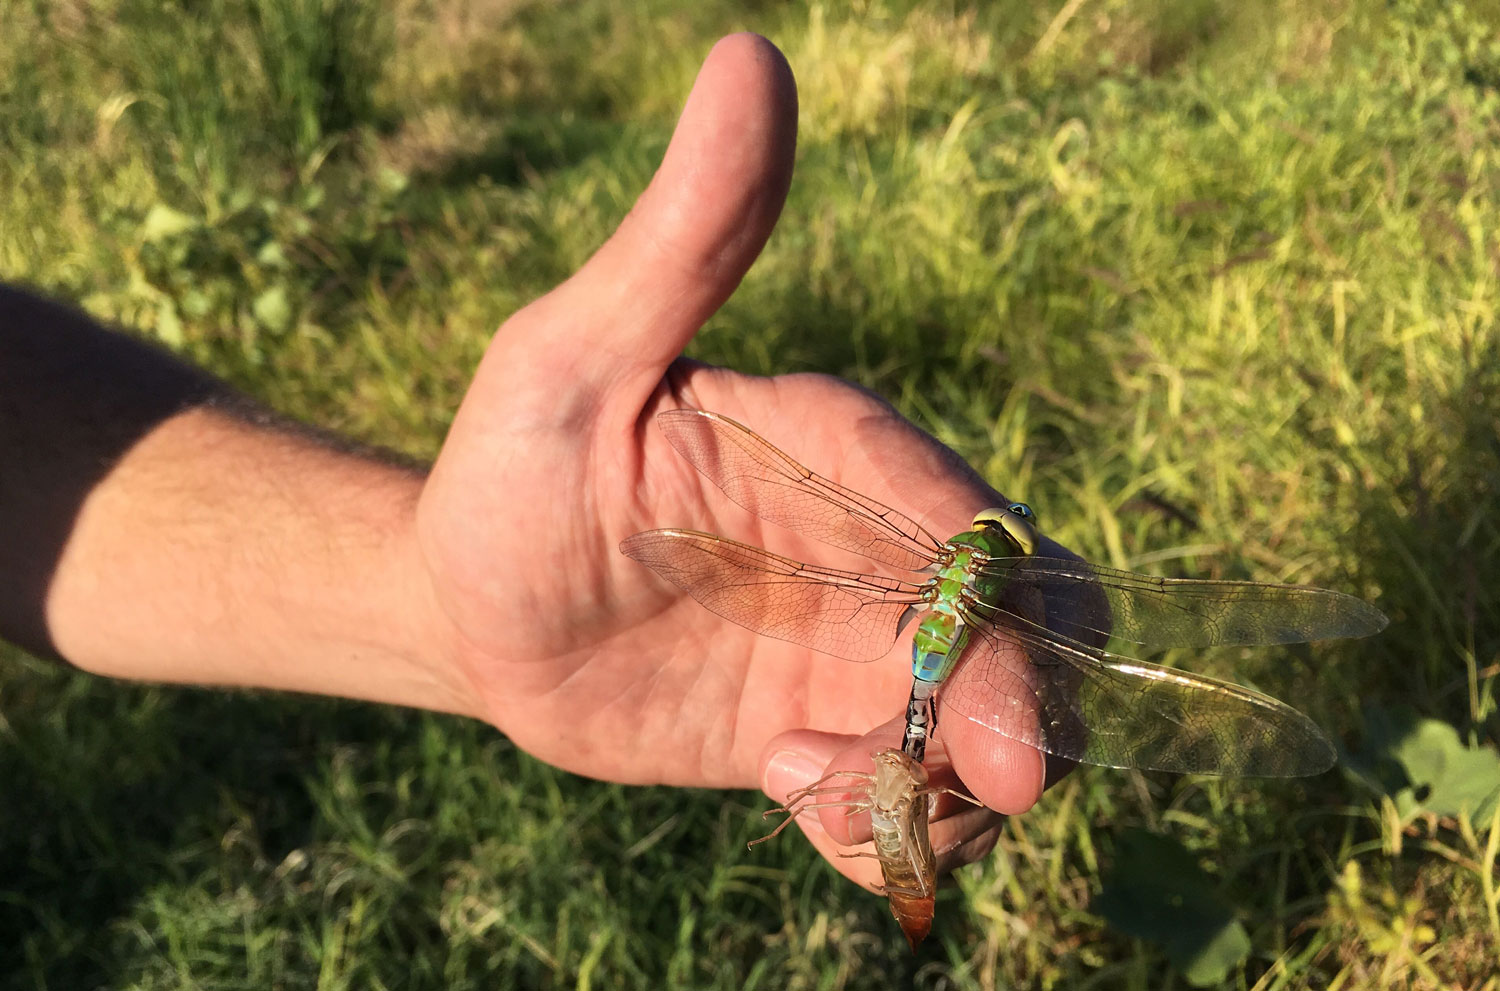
[(1017, 526), (1024, 511)]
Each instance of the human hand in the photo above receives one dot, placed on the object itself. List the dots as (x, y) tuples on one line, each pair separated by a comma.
[(584, 657)]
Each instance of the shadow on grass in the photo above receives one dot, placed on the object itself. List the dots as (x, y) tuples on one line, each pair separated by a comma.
[(113, 791), (59, 444), (843, 331), (529, 148), (152, 830), (1428, 536)]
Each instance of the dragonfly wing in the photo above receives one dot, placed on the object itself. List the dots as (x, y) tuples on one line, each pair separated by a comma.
[(1089, 602), (1085, 704), (771, 485), (843, 613)]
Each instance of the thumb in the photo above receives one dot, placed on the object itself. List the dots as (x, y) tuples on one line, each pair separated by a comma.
[(692, 235), (800, 759), (797, 759)]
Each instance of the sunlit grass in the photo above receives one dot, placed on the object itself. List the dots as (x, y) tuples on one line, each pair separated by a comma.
[(1214, 290)]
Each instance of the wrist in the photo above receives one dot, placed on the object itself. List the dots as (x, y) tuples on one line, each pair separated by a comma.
[(424, 645), (220, 552)]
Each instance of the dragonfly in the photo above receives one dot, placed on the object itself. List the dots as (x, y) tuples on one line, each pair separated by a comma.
[(1008, 638), (899, 799)]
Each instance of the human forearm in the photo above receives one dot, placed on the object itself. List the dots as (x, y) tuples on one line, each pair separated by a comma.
[(151, 534)]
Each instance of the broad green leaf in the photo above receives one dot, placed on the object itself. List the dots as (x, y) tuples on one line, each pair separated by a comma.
[(1425, 767)]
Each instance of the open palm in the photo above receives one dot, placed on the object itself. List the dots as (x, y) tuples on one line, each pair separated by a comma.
[(584, 657)]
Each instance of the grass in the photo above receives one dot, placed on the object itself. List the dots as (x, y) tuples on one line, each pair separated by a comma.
[(1213, 288)]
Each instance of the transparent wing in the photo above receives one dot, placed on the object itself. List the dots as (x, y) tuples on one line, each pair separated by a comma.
[(849, 615), (1085, 704), (774, 487), (1087, 602)]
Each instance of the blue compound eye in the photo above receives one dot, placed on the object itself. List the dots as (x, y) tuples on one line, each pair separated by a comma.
[(1024, 511)]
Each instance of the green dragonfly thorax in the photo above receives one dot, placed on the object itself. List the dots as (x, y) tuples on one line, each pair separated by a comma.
[(942, 634)]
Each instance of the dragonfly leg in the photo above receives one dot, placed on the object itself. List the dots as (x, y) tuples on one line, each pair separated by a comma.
[(798, 798), (793, 811), (821, 787), (888, 890), (914, 867), (933, 793)]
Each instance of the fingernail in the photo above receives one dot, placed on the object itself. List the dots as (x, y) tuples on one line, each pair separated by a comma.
[(788, 770)]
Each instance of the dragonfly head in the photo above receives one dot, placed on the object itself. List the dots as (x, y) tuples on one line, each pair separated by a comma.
[(1016, 522)]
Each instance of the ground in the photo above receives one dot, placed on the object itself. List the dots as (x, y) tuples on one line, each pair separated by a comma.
[(1213, 289)]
